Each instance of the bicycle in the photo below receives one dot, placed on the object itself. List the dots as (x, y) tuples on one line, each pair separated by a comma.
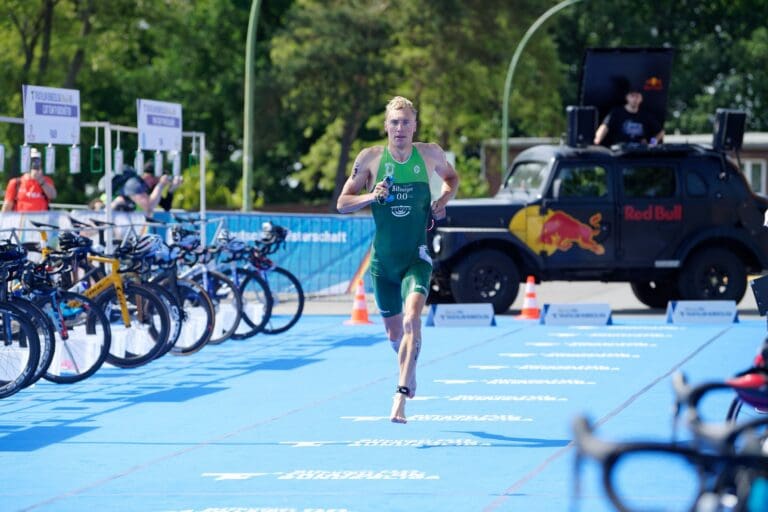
[(224, 292), (630, 469), (196, 313), (13, 272), (74, 333), (139, 321), (19, 342), (221, 291), (285, 290)]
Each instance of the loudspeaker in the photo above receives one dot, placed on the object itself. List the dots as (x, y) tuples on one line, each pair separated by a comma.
[(729, 129), (582, 123)]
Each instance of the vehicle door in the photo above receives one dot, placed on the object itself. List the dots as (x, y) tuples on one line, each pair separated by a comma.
[(578, 217), (650, 213)]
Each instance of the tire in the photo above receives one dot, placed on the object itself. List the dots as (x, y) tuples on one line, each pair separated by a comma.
[(655, 294), (149, 330), (713, 274), (257, 304), (227, 303), (83, 349), (198, 317), (287, 300), (45, 334), (19, 350), (486, 276), (175, 314)]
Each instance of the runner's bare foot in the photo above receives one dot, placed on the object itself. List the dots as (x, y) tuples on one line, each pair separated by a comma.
[(398, 405)]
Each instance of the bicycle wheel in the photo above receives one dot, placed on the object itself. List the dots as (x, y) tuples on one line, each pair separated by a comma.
[(138, 344), (198, 318), (175, 315), (45, 334), (227, 301), (19, 350), (82, 335), (257, 304), (287, 300)]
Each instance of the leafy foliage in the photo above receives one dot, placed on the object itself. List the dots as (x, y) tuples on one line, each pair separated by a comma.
[(325, 69)]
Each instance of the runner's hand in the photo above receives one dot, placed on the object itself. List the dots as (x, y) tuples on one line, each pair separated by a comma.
[(381, 192), (438, 210)]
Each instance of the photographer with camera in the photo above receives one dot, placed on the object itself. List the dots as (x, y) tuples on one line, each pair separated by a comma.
[(32, 191)]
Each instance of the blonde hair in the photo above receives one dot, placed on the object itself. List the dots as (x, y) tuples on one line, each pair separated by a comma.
[(400, 103)]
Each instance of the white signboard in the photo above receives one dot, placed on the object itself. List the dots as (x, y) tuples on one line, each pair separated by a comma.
[(51, 116), (460, 315), (576, 314), (702, 312), (159, 125)]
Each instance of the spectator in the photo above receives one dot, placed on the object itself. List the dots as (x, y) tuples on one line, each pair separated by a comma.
[(144, 192), (166, 199), (96, 204), (628, 123), (32, 191)]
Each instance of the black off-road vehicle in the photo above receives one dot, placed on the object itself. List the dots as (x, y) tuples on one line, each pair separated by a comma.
[(674, 221)]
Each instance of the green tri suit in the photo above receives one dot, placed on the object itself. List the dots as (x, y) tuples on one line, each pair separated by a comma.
[(400, 262)]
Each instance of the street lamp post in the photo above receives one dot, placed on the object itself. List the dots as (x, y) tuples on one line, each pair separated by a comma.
[(511, 72), (250, 50)]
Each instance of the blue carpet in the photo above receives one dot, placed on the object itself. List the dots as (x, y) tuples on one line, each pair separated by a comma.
[(299, 421)]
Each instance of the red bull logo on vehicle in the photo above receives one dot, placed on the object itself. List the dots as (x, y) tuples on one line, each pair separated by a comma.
[(563, 231), (653, 83), (654, 213), (556, 231)]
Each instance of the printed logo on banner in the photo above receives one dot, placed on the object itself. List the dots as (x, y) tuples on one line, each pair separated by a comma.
[(159, 125), (51, 115), (460, 315), (576, 314), (702, 312)]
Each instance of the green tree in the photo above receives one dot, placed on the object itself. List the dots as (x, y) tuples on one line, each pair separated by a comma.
[(330, 59), (719, 52)]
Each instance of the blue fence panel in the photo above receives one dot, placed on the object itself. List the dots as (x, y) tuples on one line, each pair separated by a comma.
[(324, 251)]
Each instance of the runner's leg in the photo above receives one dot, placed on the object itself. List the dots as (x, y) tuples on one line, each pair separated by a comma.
[(409, 354)]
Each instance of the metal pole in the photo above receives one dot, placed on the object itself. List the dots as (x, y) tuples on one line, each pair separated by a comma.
[(202, 191), (108, 171), (250, 50), (511, 71)]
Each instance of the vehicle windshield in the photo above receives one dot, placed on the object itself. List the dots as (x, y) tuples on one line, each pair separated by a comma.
[(526, 178)]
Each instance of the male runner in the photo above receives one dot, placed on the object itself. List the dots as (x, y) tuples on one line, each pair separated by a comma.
[(396, 178)]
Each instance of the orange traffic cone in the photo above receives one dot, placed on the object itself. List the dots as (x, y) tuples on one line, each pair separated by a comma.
[(531, 309), (359, 307)]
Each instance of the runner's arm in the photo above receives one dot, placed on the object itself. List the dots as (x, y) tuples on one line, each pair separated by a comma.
[(450, 178), (350, 200)]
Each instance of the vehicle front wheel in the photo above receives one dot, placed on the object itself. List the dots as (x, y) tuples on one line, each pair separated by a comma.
[(655, 294), (713, 274), (486, 276)]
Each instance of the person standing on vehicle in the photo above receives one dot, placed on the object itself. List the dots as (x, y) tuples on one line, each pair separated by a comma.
[(32, 191), (628, 123), (395, 178)]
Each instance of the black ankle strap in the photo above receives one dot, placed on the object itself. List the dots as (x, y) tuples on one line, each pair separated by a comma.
[(403, 390)]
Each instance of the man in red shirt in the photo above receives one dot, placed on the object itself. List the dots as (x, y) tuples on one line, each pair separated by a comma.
[(32, 191)]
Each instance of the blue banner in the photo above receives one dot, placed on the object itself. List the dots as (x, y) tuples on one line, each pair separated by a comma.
[(326, 252)]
